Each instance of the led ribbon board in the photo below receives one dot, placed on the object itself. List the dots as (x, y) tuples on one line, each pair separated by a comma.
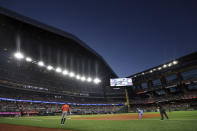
[(48, 102)]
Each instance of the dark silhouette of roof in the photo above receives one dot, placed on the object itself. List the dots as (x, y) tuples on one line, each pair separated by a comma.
[(40, 25)]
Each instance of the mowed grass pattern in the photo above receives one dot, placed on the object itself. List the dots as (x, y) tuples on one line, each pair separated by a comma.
[(179, 121)]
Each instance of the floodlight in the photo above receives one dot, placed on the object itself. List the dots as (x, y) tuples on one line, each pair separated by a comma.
[(143, 73), (41, 63), (71, 74), (65, 72), (89, 79), (159, 68), (83, 78), (49, 67), (19, 55), (78, 77), (164, 66), (28, 59), (175, 62), (170, 64), (58, 69), (96, 80), (151, 71)]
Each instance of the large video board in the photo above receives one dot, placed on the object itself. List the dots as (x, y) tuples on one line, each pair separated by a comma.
[(121, 82)]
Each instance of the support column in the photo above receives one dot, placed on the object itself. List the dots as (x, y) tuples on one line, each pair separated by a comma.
[(127, 99), (180, 83)]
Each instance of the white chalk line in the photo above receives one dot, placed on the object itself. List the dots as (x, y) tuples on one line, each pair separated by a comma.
[(24, 119), (171, 119)]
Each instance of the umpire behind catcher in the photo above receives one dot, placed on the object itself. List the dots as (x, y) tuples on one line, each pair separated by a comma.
[(162, 111)]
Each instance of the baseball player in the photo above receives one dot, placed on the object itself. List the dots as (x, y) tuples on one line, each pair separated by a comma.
[(140, 113), (162, 111), (65, 110)]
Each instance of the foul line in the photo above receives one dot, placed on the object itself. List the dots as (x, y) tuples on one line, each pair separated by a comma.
[(24, 119), (171, 119)]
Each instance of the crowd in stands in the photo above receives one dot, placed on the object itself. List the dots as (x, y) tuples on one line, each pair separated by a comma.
[(169, 106), (43, 108), (48, 108), (172, 97), (171, 102)]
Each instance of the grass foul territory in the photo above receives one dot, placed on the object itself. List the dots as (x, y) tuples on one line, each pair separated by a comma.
[(179, 121)]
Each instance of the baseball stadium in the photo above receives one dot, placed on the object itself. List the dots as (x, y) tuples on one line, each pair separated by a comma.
[(43, 68)]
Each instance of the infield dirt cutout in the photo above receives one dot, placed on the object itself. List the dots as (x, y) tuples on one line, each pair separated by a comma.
[(9, 127)]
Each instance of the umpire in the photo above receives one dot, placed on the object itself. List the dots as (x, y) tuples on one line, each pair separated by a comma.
[(162, 111)]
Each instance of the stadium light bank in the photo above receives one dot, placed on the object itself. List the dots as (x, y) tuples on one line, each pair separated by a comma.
[(170, 64), (20, 56)]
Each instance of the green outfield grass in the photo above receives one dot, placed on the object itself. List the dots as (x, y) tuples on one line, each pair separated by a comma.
[(179, 121)]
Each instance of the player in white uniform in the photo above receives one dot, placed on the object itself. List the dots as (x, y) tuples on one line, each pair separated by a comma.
[(140, 113)]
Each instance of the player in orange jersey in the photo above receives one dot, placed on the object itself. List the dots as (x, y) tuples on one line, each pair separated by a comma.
[(65, 110)]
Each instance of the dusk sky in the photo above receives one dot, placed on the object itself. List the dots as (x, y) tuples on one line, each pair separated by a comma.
[(131, 35)]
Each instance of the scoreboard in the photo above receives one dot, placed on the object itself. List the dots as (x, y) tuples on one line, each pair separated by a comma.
[(121, 82)]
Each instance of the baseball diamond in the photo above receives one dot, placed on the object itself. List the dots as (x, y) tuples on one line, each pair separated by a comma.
[(50, 80)]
